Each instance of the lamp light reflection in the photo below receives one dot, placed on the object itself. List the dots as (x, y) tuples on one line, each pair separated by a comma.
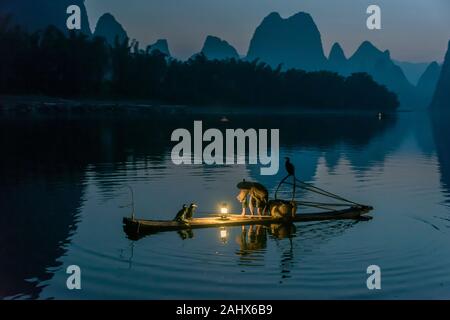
[(223, 235)]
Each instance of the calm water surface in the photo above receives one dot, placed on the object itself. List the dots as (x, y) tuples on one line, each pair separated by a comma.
[(62, 199)]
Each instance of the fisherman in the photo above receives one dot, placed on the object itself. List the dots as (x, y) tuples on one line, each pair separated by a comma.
[(180, 217), (242, 197), (258, 194), (259, 198)]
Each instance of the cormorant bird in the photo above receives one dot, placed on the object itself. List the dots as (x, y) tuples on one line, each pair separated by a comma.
[(290, 167), (181, 214), (190, 211)]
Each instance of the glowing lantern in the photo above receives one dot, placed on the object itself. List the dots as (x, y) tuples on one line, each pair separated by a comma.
[(224, 209)]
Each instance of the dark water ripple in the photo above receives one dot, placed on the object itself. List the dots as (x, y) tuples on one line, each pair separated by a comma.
[(69, 198)]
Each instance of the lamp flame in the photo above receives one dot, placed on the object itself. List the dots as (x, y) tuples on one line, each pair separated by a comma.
[(224, 209)]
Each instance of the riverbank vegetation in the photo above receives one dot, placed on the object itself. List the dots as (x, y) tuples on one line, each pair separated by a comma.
[(74, 65)]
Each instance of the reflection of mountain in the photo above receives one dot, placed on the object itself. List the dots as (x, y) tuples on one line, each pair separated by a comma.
[(37, 220), (40, 194), (111, 30), (434, 136), (42, 176), (48, 171), (374, 139), (441, 134), (37, 15)]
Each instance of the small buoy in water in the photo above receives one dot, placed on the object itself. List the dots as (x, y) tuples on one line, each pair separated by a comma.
[(380, 115), (224, 119)]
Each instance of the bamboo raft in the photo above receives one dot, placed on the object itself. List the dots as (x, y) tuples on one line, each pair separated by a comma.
[(140, 227)]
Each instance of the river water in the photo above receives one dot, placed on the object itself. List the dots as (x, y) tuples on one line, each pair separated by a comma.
[(63, 197)]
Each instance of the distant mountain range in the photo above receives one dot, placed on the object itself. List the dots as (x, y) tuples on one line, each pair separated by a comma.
[(294, 42), (38, 14), (441, 97), (427, 83), (412, 70), (216, 48), (108, 28), (337, 61), (160, 45), (380, 66)]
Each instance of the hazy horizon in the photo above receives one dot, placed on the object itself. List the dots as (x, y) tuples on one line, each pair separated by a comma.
[(185, 24)]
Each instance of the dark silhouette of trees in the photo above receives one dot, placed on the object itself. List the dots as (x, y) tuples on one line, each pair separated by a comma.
[(52, 63), (136, 73), (237, 82), (49, 62)]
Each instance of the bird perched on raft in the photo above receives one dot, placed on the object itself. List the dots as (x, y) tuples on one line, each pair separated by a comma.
[(289, 167), (190, 212), (181, 214), (186, 213)]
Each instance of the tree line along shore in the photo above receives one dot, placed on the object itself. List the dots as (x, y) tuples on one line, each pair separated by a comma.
[(75, 66)]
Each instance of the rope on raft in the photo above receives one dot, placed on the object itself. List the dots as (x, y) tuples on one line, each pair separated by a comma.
[(314, 189)]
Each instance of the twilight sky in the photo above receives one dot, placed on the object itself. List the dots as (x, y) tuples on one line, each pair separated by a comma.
[(413, 30)]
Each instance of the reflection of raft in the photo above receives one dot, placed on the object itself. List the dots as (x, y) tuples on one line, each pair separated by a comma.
[(139, 227)]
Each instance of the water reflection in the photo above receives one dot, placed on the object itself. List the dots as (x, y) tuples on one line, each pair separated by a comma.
[(186, 234), (252, 239), (41, 191), (290, 240), (441, 134), (60, 177)]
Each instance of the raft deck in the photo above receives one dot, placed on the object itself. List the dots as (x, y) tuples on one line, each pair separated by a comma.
[(137, 227)]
